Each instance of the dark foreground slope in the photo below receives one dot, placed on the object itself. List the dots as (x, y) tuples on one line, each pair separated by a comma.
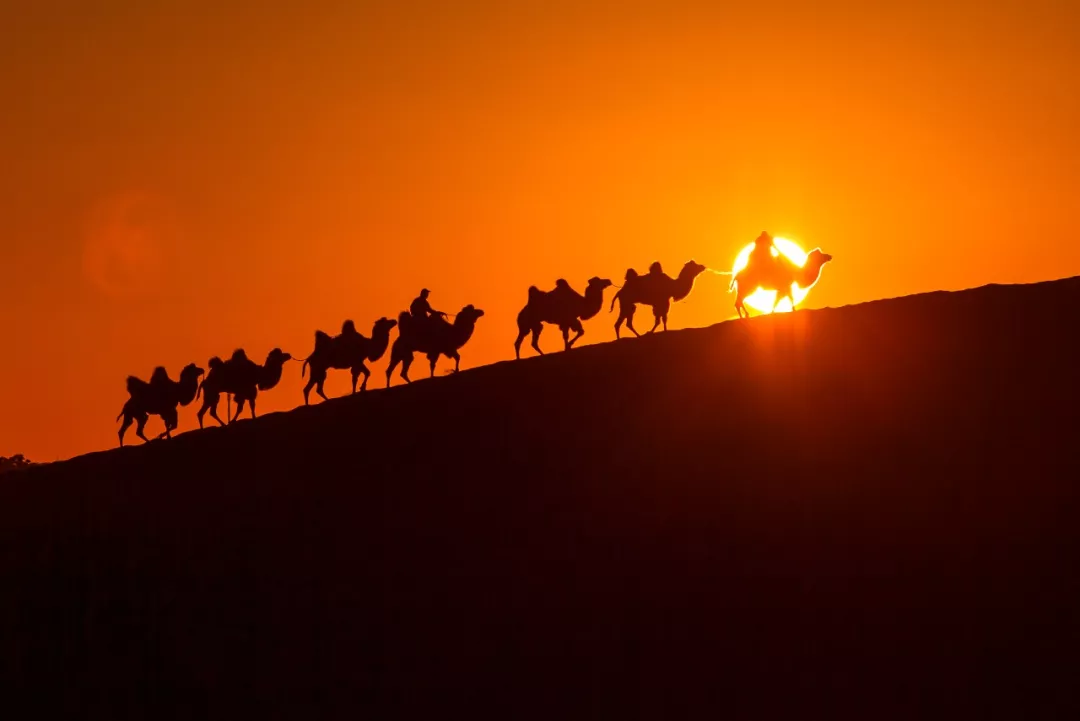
[(872, 511)]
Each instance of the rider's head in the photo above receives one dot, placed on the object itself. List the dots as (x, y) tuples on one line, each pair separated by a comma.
[(656, 267), (424, 293), (348, 327), (763, 239)]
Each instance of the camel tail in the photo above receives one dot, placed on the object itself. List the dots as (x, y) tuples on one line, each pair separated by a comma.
[(303, 368)]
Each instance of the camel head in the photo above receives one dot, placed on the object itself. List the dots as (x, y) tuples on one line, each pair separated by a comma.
[(817, 257), (692, 269), (469, 314), (383, 325), (191, 372), (599, 283), (277, 357)]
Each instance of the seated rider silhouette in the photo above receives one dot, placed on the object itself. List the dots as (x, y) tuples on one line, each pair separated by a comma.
[(761, 256), (421, 311)]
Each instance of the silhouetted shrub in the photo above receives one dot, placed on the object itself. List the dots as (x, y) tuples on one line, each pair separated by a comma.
[(15, 463)]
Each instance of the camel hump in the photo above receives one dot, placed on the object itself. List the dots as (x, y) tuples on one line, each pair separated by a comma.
[(239, 355), (136, 385), (535, 293), (562, 283), (160, 375), (321, 339), (215, 363)]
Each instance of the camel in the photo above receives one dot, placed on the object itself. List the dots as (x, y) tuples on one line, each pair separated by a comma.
[(347, 351), (159, 397), (241, 378), (433, 337), (563, 307), (657, 290), (779, 276)]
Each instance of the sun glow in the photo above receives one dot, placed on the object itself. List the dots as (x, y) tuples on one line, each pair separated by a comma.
[(762, 300)]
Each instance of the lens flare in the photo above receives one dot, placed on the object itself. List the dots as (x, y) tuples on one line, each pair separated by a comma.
[(762, 300)]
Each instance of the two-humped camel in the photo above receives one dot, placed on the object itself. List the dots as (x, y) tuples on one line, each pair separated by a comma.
[(657, 290), (563, 307), (159, 397), (780, 276), (240, 377), (432, 336), (348, 351)]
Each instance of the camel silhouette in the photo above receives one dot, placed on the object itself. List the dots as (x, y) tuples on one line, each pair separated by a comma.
[(432, 337), (779, 275), (563, 307), (159, 397), (240, 377), (656, 290), (347, 351)]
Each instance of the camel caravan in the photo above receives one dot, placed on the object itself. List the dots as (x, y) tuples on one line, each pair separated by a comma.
[(432, 333)]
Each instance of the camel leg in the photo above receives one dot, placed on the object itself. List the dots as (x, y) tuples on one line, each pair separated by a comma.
[(522, 332), (630, 321), (355, 378), (252, 402), (457, 361), (140, 427), (319, 388), (579, 330), (367, 374), (656, 322), (433, 358), (405, 363), (536, 338), (213, 411), (239, 408), (565, 337), (210, 403), (128, 420), (390, 370)]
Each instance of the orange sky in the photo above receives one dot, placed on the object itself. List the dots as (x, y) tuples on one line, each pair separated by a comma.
[(273, 168)]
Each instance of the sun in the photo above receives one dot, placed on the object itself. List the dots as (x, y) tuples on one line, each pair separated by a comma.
[(762, 300)]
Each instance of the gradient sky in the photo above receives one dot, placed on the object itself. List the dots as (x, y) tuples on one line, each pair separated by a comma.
[(181, 178)]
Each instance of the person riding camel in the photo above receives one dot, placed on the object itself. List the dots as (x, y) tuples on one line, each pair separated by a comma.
[(421, 311), (762, 254)]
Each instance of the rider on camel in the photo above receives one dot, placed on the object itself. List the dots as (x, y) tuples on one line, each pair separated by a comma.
[(421, 311), (762, 254)]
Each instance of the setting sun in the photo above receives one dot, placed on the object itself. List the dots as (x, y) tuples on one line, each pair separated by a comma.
[(762, 300)]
